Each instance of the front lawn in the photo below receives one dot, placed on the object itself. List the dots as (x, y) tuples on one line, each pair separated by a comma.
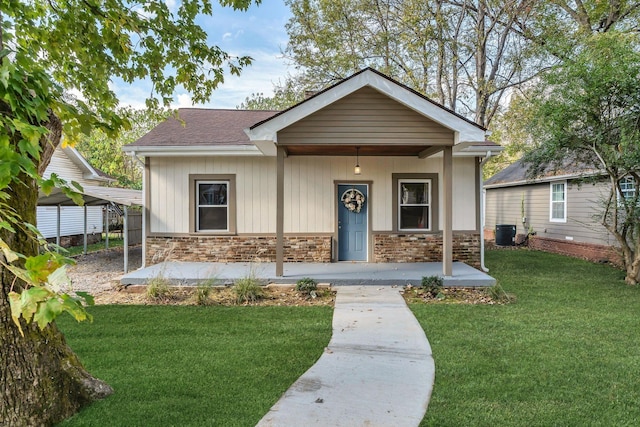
[(194, 366), (566, 353)]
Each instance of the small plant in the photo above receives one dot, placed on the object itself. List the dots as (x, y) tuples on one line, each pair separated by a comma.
[(307, 286), (499, 295), (432, 285), (248, 289), (158, 289), (203, 290)]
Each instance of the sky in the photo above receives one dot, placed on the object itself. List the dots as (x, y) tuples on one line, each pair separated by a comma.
[(259, 33)]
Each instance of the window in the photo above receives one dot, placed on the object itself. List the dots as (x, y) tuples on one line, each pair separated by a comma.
[(212, 204), (558, 203), (628, 188), (414, 207), (212, 213)]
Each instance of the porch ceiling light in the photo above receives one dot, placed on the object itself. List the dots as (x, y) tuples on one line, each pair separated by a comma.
[(357, 170)]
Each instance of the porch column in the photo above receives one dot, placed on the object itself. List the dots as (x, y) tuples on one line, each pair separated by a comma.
[(280, 212), (447, 223)]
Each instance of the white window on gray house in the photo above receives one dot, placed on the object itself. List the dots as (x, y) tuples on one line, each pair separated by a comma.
[(558, 202), (414, 207), (628, 188), (212, 209)]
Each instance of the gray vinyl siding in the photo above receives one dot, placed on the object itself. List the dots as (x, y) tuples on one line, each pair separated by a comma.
[(366, 117), (503, 206)]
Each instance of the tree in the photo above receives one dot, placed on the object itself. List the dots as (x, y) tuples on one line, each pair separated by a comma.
[(50, 50), (588, 110), (465, 54), (105, 152), (285, 95)]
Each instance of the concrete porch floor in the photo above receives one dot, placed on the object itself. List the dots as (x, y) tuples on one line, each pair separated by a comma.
[(340, 273)]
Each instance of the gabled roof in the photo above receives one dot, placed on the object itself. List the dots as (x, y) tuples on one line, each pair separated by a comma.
[(466, 130), (516, 174)]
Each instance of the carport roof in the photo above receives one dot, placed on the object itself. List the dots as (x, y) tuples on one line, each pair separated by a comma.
[(93, 196)]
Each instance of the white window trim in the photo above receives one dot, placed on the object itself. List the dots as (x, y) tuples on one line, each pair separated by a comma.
[(429, 205), (632, 189), (551, 201), (198, 205)]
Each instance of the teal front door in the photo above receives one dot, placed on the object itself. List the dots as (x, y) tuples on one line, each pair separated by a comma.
[(352, 222)]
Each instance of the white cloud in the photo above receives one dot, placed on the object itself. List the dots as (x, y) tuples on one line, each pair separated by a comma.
[(226, 36), (183, 100)]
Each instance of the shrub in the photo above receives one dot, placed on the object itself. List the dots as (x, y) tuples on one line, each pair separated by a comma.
[(432, 285), (306, 286), (158, 289), (248, 289)]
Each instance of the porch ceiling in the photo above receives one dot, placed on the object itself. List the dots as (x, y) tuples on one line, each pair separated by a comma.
[(350, 150)]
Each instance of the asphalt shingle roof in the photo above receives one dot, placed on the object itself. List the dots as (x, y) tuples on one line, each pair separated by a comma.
[(196, 126)]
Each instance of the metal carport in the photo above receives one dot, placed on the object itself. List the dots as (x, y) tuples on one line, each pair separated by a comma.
[(95, 196)]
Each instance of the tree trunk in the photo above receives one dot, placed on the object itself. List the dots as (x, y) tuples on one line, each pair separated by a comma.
[(43, 382)]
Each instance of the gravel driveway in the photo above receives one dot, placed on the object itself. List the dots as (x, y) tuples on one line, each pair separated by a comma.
[(101, 271)]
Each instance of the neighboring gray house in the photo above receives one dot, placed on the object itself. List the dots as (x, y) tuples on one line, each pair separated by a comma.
[(558, 207), (69, 164)]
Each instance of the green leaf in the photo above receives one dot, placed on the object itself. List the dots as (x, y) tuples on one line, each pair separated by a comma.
[(31, 300), (48, 311), (87, 297)]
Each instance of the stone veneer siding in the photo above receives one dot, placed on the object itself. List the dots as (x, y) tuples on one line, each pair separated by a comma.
[(237, 249), (401, 247)]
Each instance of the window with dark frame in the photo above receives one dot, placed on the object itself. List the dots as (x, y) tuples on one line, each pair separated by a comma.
[(212, 206), (414, 204)]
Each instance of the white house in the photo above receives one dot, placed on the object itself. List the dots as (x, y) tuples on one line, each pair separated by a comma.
[(69, 164)]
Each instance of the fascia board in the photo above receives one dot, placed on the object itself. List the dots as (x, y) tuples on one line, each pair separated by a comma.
[(541, 180), (186, 151)]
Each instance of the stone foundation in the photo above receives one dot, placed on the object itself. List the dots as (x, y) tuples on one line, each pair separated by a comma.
[(386, 248), (587, 251), (425, 248), (237, 249)]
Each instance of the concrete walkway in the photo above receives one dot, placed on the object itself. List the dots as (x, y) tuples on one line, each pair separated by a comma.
[(376, 371)]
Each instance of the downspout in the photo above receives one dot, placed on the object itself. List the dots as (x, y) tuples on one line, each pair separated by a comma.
[(144, 209), (482, 266)]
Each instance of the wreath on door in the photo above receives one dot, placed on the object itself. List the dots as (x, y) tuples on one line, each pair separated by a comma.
[(353, 200)]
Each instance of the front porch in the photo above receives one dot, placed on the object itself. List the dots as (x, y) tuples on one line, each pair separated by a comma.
[(340, 273)]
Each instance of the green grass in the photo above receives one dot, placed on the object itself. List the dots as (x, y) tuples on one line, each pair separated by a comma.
[(114, 242), (194, 366), (567, 353)]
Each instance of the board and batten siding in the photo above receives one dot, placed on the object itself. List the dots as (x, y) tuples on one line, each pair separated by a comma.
[(310, 200), (365, 117), (503, 206)]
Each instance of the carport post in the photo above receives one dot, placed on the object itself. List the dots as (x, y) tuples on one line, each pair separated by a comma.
[(125, 236), (106, 226), (58, 229), (85, 228)]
